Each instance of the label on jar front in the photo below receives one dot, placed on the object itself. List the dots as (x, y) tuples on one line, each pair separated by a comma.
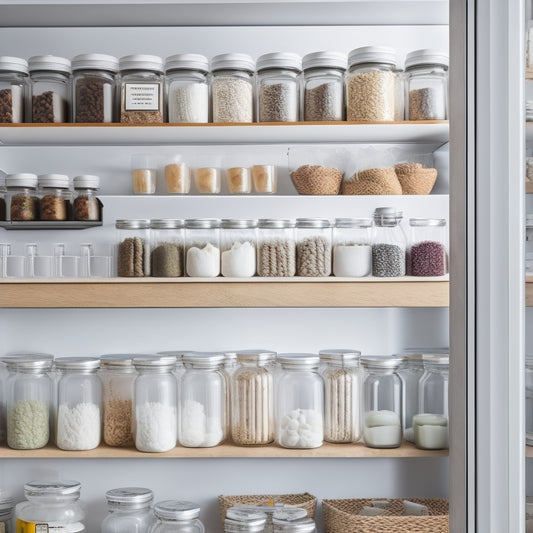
[(48, 527), (142, 96)]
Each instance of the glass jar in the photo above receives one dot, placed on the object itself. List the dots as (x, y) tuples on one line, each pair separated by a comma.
[(529, 399), (300, 402), (50, 89), (232, 88), (202, 247), (428, 249), (264, 178), (54, 203), (278, 78), (382, 402), (388, 243), (207, 180), (141, 89), (371, 85), (426, 73), (187, 88), (313, 247), (276, 248), (340, 372), (239, 180), (529, 244), (154, 397), (13, 89), (352, 247), (240, 520), (177, 176), (410, 371), (166, 247), (94, 88), (303, 525), (129, 510), (23, 199), (133, 253), (3, 194), (87, 206), (7, 505), (324, 86), (237, 244), (173, 516)]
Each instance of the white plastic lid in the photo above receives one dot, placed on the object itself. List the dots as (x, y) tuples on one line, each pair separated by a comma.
[(372, 54), (21, 180), (95, 61), (286, 60), (141, 62), (59, 181), (187, 62), (49, 62), (233, 61), (13, 64), (324, 59), (86, 181), (427, 56)]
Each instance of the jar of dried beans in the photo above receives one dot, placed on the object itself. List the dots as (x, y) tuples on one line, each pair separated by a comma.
[(133, 255), (22, 195), (166, 247), (86, 205), (388, 243), (202, 247), (13, 89), (428, 250), (313, 247), (276, 248), (352, 247), (130, 510), (54, 203), (238, 250)]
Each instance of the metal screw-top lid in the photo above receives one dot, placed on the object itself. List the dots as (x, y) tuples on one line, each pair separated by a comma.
[(154, 361), (49, 62), (232, 61), (77, 363), (57, 181), (130, 497), (235, 223), (7, 502), (187, 62), (95, 62), (427, 56), (353, 223), (377, 362), (136, 223), (434, 359), (348, 357), (53, 488), (290, 514), (293, 360), (240, 514), (86, 181), (279, 60), (117, 360), (230, 358), (202, 223), (313, 223), (424, 222), (325, 59), (13, 64), (22, 180), (204, 360), (384, 216), (31, 364), (177, 510), (167, 223), (141, 62), (276, 223), (372, 54), (261, 357), (303, 525)]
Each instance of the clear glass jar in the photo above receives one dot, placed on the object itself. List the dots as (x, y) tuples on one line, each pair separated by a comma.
[(411, 370), (129, 510), (13, 89), (303, 525), (7, 505), (237, 245), (187, 88), (22, 196), (54, 203), (50, 89), (177, 176), (371, 85), (426, 77), (240, 520), (174, 516), (529, 244), (86, 205), (388, 243), (133, 251), (154, 396), (352, 247), (278, 79), (323, 86), (202, 247), (276, 248), (166, 247), (264, 179), (313, 247), (141, 89), (94, 88), (342, 391), (207, 180), (239, 180), (79, 401), (232, 88), (382, 402), (529, 399), (428, 249)]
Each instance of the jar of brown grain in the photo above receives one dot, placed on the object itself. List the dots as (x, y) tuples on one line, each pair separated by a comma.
[(22, 192), (86, 205), (55, 197)]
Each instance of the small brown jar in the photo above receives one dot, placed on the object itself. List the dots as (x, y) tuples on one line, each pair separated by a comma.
[(54, 203), (86, 205)]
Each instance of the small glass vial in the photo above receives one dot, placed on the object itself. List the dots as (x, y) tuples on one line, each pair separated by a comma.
[(238, 250), (141, 89), (529, 400), (129, 510), (187, 88), (173, 516), (23, 199), (313, 247), (50, 89), (323, 86), (243, 520), (166, 247), (13, 89), (54, 203), (133, 253), (382, 402), (232, 88), (410, 371), (278, 78), (300, 402), (276, 248), (202, 247), (86, 205), (79, 401), (352, 247), (388, 243), (426, 73), (7, 506), (302, 525), (340, 372), (428, 249), (94, 88)]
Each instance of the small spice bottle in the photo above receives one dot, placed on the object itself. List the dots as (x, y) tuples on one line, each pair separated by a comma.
[(129, 510), (352, 247), (239, 520), (54, 203), (133, 254), (13, 89), (7, 505), (94, 88), (202, 247), (86, 204), (166, 247), (411, 370), (313, 247), (428, 250), (388, 243), (238, 250), (232, 88), (23, 199), (50, 88), (324, 86), (276, 248), (173, 516)]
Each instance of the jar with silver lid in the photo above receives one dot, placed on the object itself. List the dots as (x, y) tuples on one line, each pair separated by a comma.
[(238, 250), (389, 243), (202, 247), (410, 371), (54, 202), (86, 205), (166, 247), (174, 516), (242, 520), (13, 89), (22, 197), (276, 248), (129, 510), (428, 249), (313, 247), (7, 506), (352, 247), (133, 255), (303, 525)]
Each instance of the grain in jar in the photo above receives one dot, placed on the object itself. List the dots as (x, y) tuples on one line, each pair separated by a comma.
[(202, 247), (388, 243), (428, 252), (239, 180), (313, 247), (177, 177), (207, 180), (13, 89), (22, 195), (54, 202), (276, 248), (352, 247), (238, 248), (264, 179), (144, 173), (133, 254), (166, 247), (86, 205)]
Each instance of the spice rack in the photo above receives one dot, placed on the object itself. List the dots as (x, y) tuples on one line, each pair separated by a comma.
[(48, 225)]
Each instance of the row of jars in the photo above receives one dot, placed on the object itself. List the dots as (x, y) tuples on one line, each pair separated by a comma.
[(201, 399), (310, 247), (365, 86)]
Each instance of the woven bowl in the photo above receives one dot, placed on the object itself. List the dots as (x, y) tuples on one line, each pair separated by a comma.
[(373, 181), (317, 180), (415, 179)]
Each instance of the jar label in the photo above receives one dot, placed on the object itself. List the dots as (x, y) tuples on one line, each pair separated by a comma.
[(142, 96), (50, 527)]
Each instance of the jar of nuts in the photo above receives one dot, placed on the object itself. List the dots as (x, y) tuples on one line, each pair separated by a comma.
[(55, 197), (13, 89), (86, 205), (23, 199)]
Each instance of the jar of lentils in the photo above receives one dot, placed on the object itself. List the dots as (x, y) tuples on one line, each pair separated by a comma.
[(23, 199), (428, 250), (202, 247), (388, 243), (238, 250), (54, 203), (313, 247), (166, 247), (133, 256), (276, 249), (352, 247), (13, 89)]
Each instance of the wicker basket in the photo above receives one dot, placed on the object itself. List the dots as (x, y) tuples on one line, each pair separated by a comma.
[(373, 181), (415, 179), (342, 516)]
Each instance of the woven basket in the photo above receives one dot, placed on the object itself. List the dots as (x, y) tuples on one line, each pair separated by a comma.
[(415, 179), (373, 181), (342, 516)]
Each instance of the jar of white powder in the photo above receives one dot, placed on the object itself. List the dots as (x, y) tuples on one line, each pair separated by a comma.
[(352, 247), (79, 401), (202, 248), (237, 245)]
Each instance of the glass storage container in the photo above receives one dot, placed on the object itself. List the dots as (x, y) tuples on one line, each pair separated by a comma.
[(86, 205), (264, 179), (202, 247), (529, 399), (13, 89), (303, 525), (239, 180), (411, 370), (352, 247), (7, 506), (177, 176), (276, 248), (54, 203), (207, 180), (3, 194), (382, 402), (133, 253), (242, 520), (313, 247), (166, 247), (428, 249), (529, 244), (388, 243), (237, 245), (174, 516), (22, 195), (129, 510)]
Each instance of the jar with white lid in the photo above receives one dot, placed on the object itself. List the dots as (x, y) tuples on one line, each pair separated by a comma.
[(94, 88), (202, 247), (371, 85), (382, 402), (86, 205), (155, 396), (141, 89), (313, 247), (14, 84), (187, 88), (352, 247), (22, 196), (129, 510), (133, 255), (426, 73), (276, 248), (529, 399), (323, 86), (428, 249), (174, 516), (232, 88), (166, 236), (278, 79), (389, 243), (410, 371), (54, 202), (7, 506), (238, 250), (242, 520), (303, 525), (300, 402), (50, 88)]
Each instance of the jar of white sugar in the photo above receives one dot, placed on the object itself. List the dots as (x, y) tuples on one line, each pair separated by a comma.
[(313, 247), (428, 247), (238, 248), (300, 402), (382, 402), (13, 89), (389, 243), (133, 251), (352, 247), (410, 371), (174, 516), (166, 247), (276, 248), (202, 247), (232, 88), (129, 510)]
